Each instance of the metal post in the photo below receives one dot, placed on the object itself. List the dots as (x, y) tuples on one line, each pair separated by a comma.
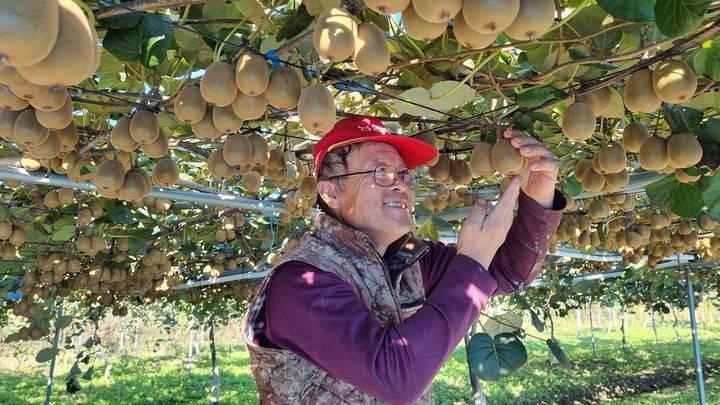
[(48, 390), (696, 341)]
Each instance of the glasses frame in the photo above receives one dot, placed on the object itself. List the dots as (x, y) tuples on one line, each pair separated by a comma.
[(409, 176)]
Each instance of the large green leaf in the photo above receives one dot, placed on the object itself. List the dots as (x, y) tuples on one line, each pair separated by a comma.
[(634, 10), (63, 233), (707, 60), (506, 323), (682, 199), (493, 358), (296, 23), (558, 353), (572, 186), (711, 196), (147, 42), (682, 119), (678, 17), (535, 97), (46, 354)]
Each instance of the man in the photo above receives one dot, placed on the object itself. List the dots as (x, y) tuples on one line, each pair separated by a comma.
[(359, 313)]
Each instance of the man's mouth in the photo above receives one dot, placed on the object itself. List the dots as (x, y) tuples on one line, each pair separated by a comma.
[(395, 204)]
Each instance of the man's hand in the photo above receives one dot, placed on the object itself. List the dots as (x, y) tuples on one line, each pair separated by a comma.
[(482, 233), (541, 171)]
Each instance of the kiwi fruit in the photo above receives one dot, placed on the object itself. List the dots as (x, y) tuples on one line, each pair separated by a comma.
[(653, 154), (217, 165), (190, 105), (674, 81), (217, 85), (165, 174), (7, 123), (284, 89), (10, 101), (592, 181), (57, 119), (206, 128), (618, 180), (251, 181), (28, 130), (683, 150), (260, 150), (578, 123), (54, 100), (120, 137), (640, 93), (534, 18), (387, 7), (48, 149), (30, 91), (634, 134), (144, 127), (684, 177), (156, 149), (581, 166), (276, 160), (134, 187), (371, 54), (51, 199), (490, 17), (440, 171), (437, 11), (506, 159), (599, 100), (612, 158), (481, 164), (418, 28), (252, 75), (29, 31), (109, 175), (470, 38), (460, 172), (429, 138), (599, 208), (708, 223), (316, 107), (308, 186), (334, 34), (238, 150), (249, 107), (66, 195), (10, 77), (73, 54), (225, 120)]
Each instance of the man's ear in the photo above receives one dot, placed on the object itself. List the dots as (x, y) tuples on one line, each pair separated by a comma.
[(328, 192)]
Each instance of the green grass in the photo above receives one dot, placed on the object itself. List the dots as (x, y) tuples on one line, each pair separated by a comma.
[(166, 379)]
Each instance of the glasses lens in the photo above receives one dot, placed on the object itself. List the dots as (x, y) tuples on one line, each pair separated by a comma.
[(385, 176)]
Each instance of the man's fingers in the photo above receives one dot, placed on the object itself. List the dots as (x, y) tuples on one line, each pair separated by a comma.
[(535, 151), (546, 165), (507, 199), (478, 211)]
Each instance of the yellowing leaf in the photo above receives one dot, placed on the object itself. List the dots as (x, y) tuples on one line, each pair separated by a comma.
[(509, 322), (439, 99)]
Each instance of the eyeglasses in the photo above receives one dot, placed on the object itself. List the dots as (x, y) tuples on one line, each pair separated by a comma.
[(387, 176)]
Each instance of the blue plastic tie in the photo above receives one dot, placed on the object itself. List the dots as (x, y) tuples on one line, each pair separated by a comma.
[(273, 58)]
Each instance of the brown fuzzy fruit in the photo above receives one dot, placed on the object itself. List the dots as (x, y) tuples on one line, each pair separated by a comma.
[(490, 17), (218, 85), (470, 38), (7, 123), (316, 108), (640, 94), (217, 165), (284, 89), (190, 105), (674, 81), (533, 20), (166, 173), (371, 54), (634, 134), (260, 150), (29, 31), (683, 150), (249, 107), (506, 159), (144, 127), (437, 11), (10, 101), (581, 166), (418, 28), (334, 34), (684, 177), (251, 181), (53, 100), (225, 120), (460, 172), (612, 158), (156, 149), (440, 171), (206, 128), (618, 180), (592, 181), (28, 130), (429, 138), (48, 149), (481, 160), (599, 208), (238, 150), (134, 187), (59, 118), (578, 123), (599, 100), (252, 75), (653, 154), (120, 136)]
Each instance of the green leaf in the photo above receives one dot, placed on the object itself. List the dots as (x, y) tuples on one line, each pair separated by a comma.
[(558, 353), (682, 199), (707, 61), (125, 44), (13, 337), (536, 321), (535, 97), (682, 119), (441, 224), (88, 373), (147, 42), (711, 196), (63, 234), (572, 186), (46, 354), (678, 17), (251, 9), (122, 21), (295, 24), (505, 323), (74, 371), (123, 216), (88, 343), (634, 10), (710, 130), (63, 322), (493, 358)]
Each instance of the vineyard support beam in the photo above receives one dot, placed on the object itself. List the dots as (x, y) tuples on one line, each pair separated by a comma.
[(696, 340)]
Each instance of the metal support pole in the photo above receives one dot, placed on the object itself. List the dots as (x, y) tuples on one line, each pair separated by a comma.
[(48, 390), (696, 341)]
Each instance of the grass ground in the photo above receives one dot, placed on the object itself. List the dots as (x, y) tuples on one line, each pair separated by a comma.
[(611, 376)]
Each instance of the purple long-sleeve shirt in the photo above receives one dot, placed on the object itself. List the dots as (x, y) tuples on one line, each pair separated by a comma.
[(320, 317)]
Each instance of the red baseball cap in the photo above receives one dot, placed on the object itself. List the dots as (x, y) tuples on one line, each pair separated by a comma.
[(369, 129)]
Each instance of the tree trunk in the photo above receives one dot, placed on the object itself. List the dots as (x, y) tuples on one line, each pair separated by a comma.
[(552, 336), (677, 334), (654, 325), (622, 326), (108, 365), (610, 320), (592, 331), (475, 384), (216, 371)]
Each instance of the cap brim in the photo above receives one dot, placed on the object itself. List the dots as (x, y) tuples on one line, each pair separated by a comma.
[(413, 152)]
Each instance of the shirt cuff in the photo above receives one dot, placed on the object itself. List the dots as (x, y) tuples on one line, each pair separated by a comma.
[(559, 204)]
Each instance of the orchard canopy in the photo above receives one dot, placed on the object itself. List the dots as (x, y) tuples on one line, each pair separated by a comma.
[(150, 143)]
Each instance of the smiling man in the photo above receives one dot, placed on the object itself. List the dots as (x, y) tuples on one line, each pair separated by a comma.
[(360, 312)]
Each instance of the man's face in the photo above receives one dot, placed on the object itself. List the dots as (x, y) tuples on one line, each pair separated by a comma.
[(367, 206)]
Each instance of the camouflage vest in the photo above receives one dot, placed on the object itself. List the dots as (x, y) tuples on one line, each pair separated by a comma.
[(282, 377)]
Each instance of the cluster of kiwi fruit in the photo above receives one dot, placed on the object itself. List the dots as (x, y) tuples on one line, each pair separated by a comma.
[(476, 23), (672, 81), (298, 203), (143, 131), (671, 155), (90, 244), (38, 142), (277, 170), (245, 155), (11, 236), (36, 328), (113, 180), (90, 213), (446, 198), (229, 224), (337, 37)]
